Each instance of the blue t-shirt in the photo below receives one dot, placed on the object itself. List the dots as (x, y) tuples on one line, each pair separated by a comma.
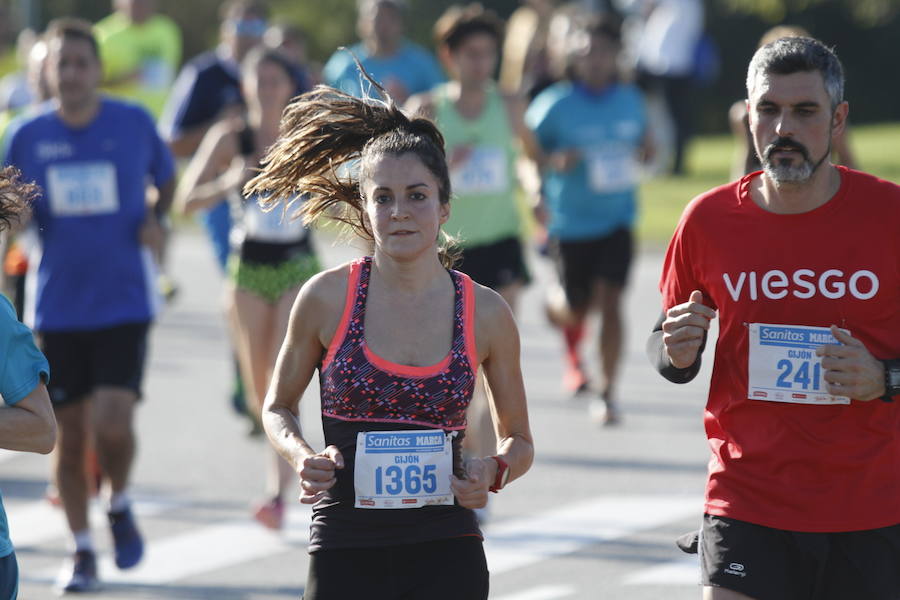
[(412, 66), (23, 368), (598, 195), (205, 86), (92, 271)]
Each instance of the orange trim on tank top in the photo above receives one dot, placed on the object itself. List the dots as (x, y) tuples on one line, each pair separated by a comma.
[(349, 302)]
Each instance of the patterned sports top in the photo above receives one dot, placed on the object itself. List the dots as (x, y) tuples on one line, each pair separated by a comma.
[(361, 391)]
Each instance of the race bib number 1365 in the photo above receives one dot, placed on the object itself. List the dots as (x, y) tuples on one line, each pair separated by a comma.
[(403, 469)]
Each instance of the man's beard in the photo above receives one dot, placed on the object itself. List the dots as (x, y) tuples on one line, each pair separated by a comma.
[(784, 170)]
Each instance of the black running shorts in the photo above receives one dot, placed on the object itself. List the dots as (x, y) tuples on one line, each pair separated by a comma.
[(774, 564), (450, 569), (580, 264), (82, 361), (495, 265)]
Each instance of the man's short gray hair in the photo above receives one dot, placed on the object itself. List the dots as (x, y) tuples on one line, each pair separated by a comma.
[(798, 54)]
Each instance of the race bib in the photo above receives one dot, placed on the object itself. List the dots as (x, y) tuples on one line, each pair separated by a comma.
[(611, 168), (271, 226), (783, 366), (82, 189), (403, 469), (484, 171)]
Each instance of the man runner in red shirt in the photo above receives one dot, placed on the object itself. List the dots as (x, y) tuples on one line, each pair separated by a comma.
[(801, 264)]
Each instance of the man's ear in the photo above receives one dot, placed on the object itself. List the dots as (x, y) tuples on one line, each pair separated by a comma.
[(839, 118)]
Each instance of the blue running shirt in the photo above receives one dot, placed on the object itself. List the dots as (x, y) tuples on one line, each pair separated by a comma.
[(412, 66), (607, 128), (206, 85), (23, 368), (92, 272)]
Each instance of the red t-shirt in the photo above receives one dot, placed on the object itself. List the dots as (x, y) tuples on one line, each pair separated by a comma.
[(795, 466)]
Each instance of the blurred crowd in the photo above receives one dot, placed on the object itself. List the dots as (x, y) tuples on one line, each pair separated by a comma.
[(664, 49)]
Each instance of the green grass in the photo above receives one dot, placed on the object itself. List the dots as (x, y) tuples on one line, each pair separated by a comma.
[(709, 164)]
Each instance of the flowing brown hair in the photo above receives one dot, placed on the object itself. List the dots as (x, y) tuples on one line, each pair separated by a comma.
[(15, 196), (328, 142)]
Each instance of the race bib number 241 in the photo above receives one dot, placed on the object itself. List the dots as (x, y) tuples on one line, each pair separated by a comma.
[(784, 367)]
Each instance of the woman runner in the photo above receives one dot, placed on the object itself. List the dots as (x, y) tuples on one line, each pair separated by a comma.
[(398, 339), (271, 255)]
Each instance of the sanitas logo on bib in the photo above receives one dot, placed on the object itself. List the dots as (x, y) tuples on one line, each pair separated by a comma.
[(802, 283)]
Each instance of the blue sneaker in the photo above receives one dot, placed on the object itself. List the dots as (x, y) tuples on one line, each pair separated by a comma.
[(127, 539), (81, 574)]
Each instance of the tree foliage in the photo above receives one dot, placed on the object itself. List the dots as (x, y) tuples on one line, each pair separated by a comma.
[(866, 12)]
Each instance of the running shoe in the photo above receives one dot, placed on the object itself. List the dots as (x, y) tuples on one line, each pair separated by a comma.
[(270, 514), (127, 539), (79, 573), (603, 412), (575, 380)]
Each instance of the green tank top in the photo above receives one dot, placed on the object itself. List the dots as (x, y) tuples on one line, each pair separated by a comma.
[(483, 209)]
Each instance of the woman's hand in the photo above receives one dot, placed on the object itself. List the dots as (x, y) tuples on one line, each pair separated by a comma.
[(317, 474), (472, 492)]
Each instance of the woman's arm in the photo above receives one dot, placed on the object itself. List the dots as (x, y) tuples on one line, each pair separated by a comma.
[(215, 170), (313, 322), (497, 338), (29, 425)]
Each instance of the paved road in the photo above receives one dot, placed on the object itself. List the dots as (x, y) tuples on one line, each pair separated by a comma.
[(594, 518)]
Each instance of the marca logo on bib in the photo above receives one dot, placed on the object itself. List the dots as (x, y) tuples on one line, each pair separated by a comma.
[(802, 283)]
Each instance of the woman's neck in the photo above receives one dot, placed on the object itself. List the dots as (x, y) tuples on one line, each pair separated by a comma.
[(412, 276)]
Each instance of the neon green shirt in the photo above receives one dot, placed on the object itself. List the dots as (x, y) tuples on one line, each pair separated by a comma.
[(139, 60)]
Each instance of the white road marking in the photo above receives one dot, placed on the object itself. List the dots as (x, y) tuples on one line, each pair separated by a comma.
[(546, 592), (685, 571), (522, 542), (36, 522), (205, 549)]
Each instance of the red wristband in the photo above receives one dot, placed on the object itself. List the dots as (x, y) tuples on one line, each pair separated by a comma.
[(502, 475)]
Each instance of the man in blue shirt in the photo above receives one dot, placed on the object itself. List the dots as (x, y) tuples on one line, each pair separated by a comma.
[(94, 280), (403, 68), (592, 130)]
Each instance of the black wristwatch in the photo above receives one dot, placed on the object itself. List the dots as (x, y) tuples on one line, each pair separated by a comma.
[(891, 379)]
